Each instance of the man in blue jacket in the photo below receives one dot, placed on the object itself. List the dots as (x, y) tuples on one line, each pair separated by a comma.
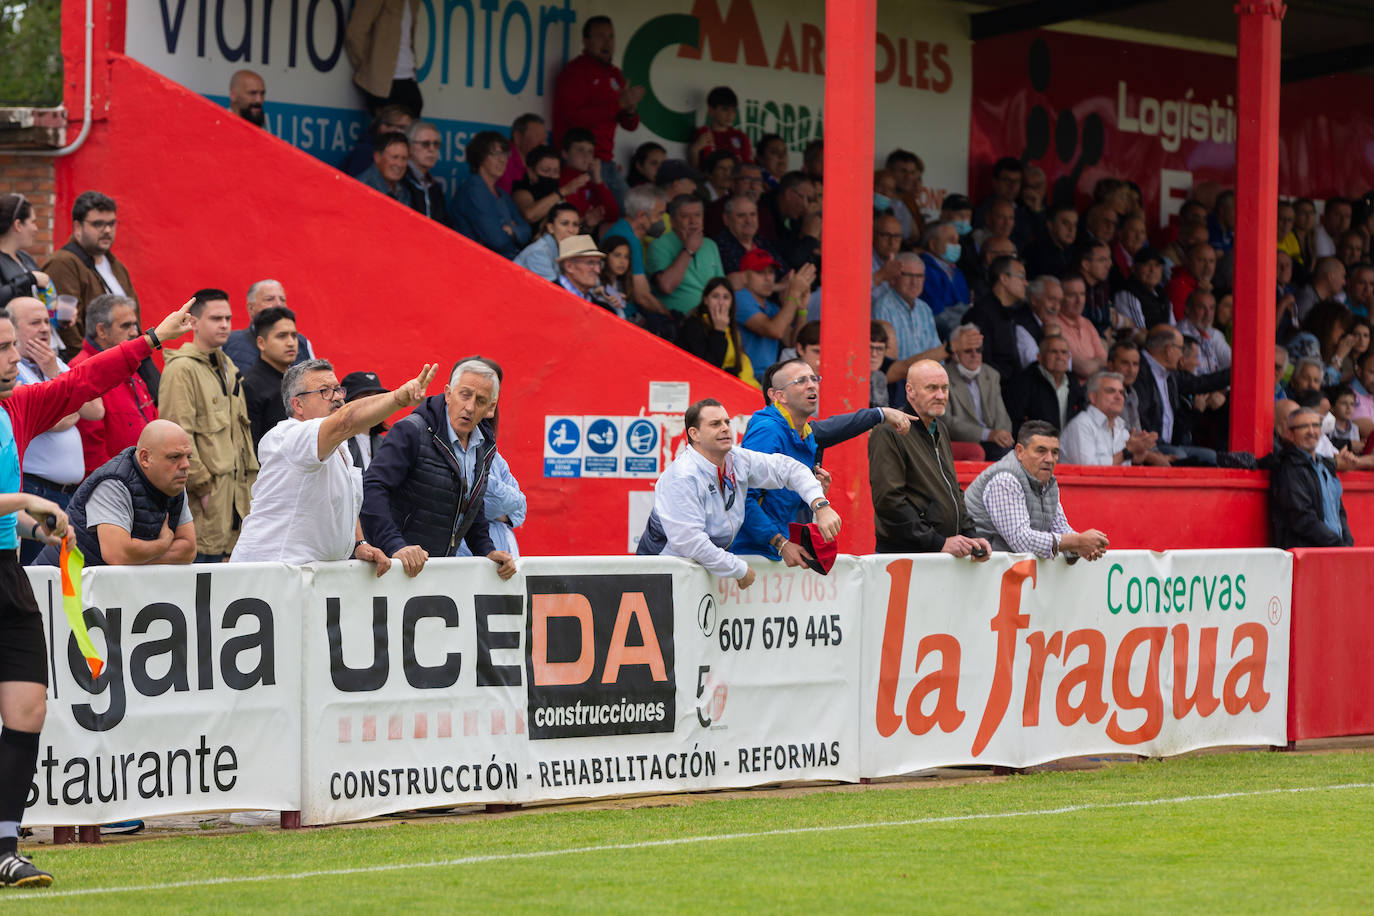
[(423, 491), (792, 393)]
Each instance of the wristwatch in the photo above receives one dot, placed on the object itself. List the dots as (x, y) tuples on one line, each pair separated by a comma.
[(821, 504)]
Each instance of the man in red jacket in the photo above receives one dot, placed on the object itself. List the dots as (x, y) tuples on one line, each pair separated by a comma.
[(591, 93), (29, 411), (130, 405)]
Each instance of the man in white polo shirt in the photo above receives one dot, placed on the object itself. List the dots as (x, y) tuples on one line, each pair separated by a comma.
[(308, 492)]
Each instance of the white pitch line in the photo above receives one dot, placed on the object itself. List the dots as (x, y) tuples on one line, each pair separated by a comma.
[(35, 895)]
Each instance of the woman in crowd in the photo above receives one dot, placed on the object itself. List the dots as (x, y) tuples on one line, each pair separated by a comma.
[(482, 211), (1330, 323), (710, 332), (541, 255), (644, 165), (537, 193), (19, 273), (615, 273), (1360, 331)]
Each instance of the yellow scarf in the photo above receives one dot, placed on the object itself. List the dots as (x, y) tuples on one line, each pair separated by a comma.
[(806, 427)]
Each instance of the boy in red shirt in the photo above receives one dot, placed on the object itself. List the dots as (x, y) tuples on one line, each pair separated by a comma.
[(719, 131)]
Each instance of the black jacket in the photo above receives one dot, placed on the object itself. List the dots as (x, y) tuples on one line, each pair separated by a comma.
[(262, 395), (1295, 502), (998, 324), (1181, 385), (414, 491), (1029, 396)]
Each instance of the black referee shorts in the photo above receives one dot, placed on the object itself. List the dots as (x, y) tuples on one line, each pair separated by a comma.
[(23, 650)]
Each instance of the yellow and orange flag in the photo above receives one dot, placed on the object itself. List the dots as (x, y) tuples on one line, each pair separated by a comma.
[(71, 561)]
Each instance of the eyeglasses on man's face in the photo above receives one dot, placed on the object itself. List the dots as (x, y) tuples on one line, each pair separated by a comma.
[(805, 380), (329, 392)]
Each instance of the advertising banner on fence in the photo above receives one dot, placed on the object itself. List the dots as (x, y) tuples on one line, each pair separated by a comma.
[(579, 678), (481, 65), (1017, 662), (197, 707)]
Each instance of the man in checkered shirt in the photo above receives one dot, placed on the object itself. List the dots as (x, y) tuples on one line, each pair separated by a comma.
[(1014, 503)]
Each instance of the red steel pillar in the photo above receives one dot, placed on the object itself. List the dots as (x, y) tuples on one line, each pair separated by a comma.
[(1257, 190), (846, 233)]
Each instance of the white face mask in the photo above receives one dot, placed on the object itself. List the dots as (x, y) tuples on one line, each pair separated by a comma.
[(966, 373)]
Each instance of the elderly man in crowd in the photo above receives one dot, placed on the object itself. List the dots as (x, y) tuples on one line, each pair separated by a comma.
[(788, 426), (26, 412), (681, 262), (1045, 390), (133, 510), (1214, 353), (85, 267), (976, 411), (1161, 388), (423, 491), (202, 392), (887, 241), (995, 316), (1038, 317), (579, 272), (247, 92), (242, 346), (1304, 492), (308, 494), (741, 236), (387, 173), (700, 502), (427, 192), (130, 405), (1100, 435), (946, 288), (899, 304), (643, 211), (917, 505), (746, 183), (1015, 502), (276, 332), (55, 462)]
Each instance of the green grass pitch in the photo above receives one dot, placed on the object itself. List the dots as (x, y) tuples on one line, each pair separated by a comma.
[(1251, 831)]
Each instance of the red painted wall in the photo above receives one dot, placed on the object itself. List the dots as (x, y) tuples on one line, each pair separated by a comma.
[(1330, 679), (205, 199)]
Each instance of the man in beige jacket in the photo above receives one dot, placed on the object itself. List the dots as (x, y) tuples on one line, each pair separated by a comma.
[(202, 392), (380, 41)]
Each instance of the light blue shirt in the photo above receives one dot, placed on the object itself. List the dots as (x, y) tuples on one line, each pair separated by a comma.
[(1331, 495), (467, 457), (540, 256), (915, 324), (503, 499), (763, 351), (9, 480)]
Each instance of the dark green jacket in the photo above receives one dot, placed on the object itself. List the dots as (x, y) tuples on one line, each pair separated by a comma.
[(917, 503)]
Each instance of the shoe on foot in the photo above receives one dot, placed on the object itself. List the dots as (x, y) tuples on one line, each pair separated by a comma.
[(120, 828), (19, 871), (256, 818)]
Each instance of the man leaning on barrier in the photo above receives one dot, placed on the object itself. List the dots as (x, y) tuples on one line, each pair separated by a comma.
[(1015, 502), (423, 491), (23, 653), (699, 500), (308, 492)]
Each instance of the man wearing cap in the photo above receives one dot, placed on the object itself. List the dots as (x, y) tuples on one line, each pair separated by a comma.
[(763, 323), (1141, 300), (700, 502), (363, 445), (579, 272), (917, 505), (681, 262), (308, 492), (787, 426)]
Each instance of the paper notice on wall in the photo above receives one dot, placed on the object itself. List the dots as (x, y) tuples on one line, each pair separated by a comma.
[(669, 397)]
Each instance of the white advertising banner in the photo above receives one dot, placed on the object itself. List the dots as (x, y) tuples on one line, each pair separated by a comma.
[(198, 705), (1018, 662), (481, 65), (578, 678)]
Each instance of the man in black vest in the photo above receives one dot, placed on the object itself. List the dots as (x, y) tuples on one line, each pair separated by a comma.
[(423, 491), (132, 511)]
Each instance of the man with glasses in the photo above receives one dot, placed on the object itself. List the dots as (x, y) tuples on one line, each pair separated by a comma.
[(202, 392), (976, 412), (309, 492), (85, 267), (887, 241), (700, 502), (899, 304), (787, 426), (1305, 507), (130, 405), (427, 193)]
